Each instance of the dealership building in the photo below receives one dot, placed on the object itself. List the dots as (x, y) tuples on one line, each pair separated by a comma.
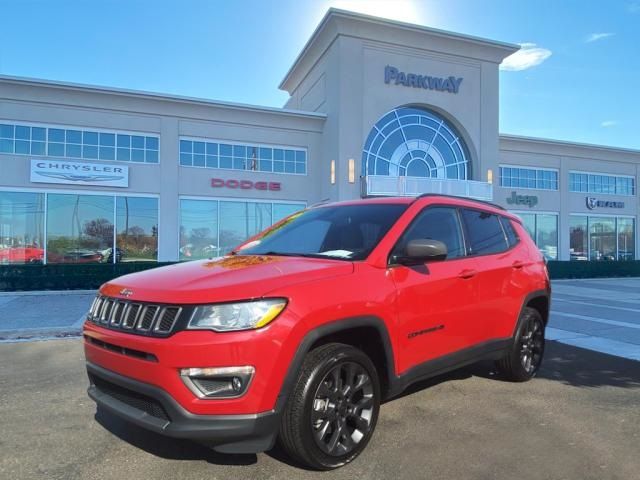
[(376, 108)]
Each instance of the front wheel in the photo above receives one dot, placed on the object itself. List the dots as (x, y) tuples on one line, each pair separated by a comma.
[(525, 356), (332, 411)]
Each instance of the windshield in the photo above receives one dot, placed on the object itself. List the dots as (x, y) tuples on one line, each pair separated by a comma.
[(346, 232)]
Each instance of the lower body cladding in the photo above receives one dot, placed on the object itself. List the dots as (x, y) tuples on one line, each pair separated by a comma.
[(154, 409)]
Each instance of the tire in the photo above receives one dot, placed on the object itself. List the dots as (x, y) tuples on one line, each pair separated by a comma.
[(525, 356), (333, 409)]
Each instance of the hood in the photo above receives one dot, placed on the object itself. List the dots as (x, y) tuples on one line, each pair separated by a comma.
[(224, 279)]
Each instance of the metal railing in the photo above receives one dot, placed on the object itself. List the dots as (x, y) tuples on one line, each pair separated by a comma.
[(382, 185)]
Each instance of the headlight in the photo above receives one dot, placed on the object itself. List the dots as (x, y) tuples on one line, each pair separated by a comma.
[(236, 316)]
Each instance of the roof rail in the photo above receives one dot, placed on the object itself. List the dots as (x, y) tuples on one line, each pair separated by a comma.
[(491, 204)]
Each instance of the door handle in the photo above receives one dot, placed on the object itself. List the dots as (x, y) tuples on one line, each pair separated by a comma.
[(518, 264), (467, 273)]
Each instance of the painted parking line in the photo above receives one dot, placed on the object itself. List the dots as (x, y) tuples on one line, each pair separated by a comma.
[(598, 344), (600, 305), (615, 323)]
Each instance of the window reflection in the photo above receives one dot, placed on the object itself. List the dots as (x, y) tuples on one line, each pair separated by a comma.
[(241, 220), (547, 235), (21, 227), (282, 210), (543, 229), (136, 230), (210, 228), (602, 238), (578, 246), (626, 239), (198, 229), (79, 228)]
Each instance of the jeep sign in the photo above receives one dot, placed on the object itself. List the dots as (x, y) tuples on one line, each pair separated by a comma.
[(528, 200)]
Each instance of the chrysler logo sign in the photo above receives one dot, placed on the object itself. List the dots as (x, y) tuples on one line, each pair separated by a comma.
[(75, 173), (593, 202), (449, 84)]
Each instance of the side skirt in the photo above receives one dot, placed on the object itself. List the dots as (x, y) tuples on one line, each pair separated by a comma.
[(491, 350)]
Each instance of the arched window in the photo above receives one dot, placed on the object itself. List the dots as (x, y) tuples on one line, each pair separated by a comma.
[(415, 142)]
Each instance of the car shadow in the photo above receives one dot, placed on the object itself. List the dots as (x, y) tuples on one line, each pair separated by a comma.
[(165, 447), (577, 367), (563, 363)]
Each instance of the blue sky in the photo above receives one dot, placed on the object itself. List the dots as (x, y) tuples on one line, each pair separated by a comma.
[(577, 80)]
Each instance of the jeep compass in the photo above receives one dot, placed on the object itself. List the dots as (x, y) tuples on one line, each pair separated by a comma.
[(299, 333)]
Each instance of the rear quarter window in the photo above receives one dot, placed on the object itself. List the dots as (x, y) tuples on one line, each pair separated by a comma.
[(484, 232), (509, 231)]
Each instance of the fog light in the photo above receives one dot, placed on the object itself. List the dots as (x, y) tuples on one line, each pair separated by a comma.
[(236, 383), (217, 382)]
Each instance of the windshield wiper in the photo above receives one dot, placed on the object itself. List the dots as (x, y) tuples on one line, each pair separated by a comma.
[(291, 254)]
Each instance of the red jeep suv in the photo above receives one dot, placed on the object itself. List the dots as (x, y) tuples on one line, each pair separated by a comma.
[(303, 330)]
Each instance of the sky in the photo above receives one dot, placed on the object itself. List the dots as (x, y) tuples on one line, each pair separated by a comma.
[(576, 77)]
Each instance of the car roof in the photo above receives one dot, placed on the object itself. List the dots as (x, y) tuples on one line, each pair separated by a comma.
[(427, 199)]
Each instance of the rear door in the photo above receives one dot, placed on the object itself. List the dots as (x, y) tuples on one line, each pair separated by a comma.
[(499, 263), (434, 299)]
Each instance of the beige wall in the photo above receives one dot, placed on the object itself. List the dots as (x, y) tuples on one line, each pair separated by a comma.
[(52, 105), (567, 157)]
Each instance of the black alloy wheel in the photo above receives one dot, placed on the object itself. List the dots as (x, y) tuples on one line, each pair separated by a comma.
[(523, 359), (342, 409), (532, 344), (332, 411)]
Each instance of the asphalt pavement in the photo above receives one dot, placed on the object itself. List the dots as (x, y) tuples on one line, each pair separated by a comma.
[(579, 420)]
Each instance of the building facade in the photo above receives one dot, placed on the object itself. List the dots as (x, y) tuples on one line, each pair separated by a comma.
[(376, 107)]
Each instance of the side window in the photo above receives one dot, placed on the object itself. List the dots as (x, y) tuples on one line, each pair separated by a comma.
[(512, 236), (484, 231), (437, 223)]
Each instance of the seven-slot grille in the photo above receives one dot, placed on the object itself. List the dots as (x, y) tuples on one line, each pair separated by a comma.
[(143, 318)]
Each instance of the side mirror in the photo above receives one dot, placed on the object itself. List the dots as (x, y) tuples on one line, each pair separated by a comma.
[(423, 250)]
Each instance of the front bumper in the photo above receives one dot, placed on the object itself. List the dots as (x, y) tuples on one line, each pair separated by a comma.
[(154, 409)]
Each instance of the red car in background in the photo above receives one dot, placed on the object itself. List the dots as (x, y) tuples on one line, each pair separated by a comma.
[(26, 254)]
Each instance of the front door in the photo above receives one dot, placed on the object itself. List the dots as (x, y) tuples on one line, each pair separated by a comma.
[(435, 300)]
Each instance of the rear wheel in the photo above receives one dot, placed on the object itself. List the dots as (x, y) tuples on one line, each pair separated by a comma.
[(524, 359), (332, 411)]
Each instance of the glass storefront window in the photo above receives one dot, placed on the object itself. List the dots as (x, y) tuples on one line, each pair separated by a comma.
[(79, 228), (21, 227), (626, 239), (136, 230), (198, 229), (547, 235), (602, 238), (578, 246), (529, 222), (210, 228), (241, 220), (543, 228), (282, 210)]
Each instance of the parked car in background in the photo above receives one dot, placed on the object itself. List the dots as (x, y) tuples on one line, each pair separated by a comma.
[(21, 254), (107, 255)]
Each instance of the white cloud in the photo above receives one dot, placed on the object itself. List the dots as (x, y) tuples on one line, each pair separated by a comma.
[(528, 56), (594, 37), (608, 123)]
